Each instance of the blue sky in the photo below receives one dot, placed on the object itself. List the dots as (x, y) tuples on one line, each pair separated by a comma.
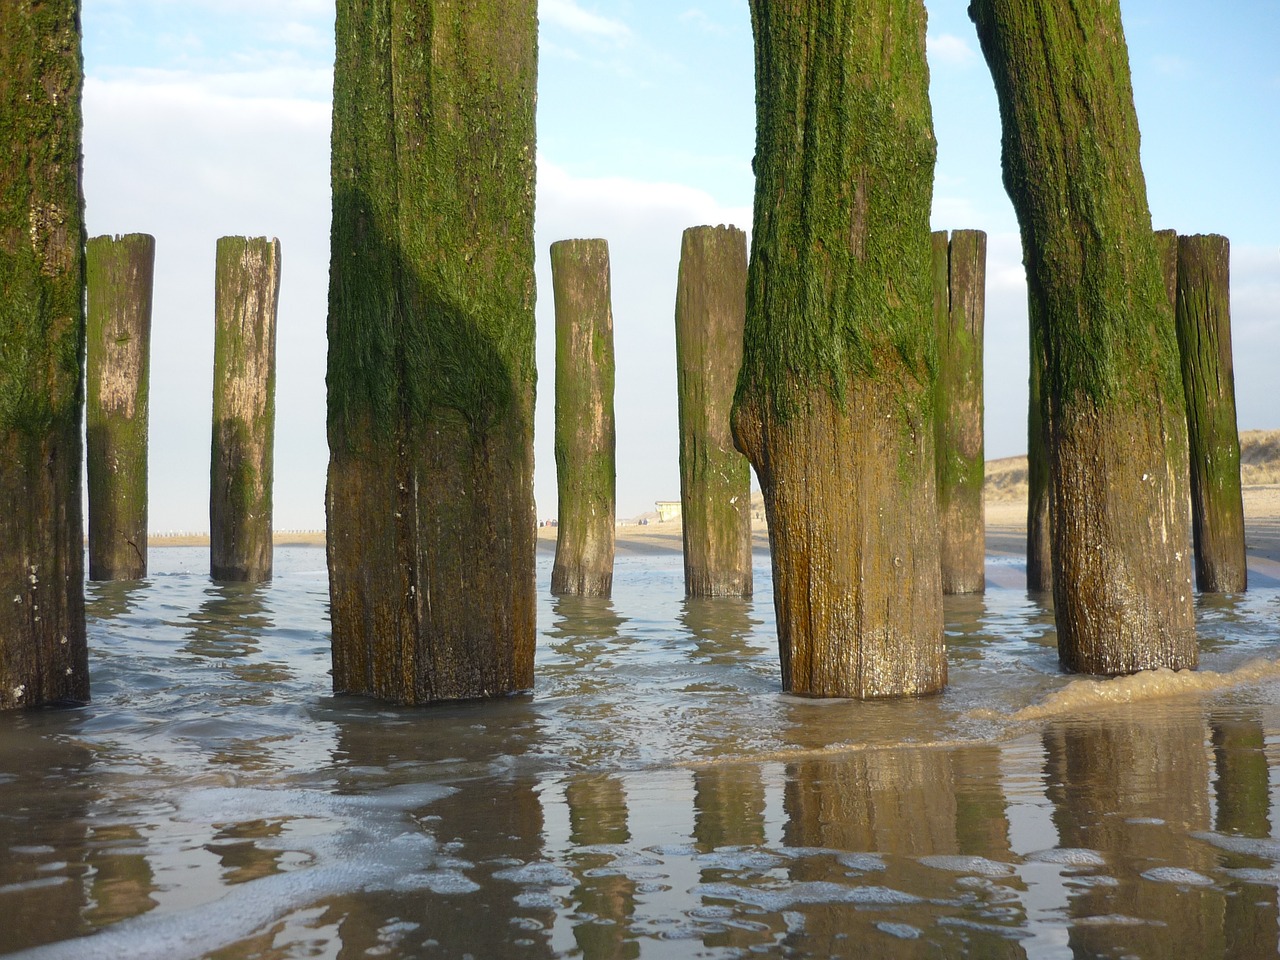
[(205, 118)]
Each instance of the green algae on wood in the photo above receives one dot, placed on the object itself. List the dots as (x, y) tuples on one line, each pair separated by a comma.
[(1208, 379), (834, 399), (120, 273), (585, 439), (246, 294), (43, 653), (1039, 529), (959, 302), (1117, 428), (715, 479), (430, 513)]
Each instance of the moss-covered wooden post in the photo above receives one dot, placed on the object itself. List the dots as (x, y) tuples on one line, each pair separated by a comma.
[(834, 405), (246, 292), (585, 440), (1208, 379), (431, 524), (959, 304), (1167, 252), (715, 479), (43, 655), (1039, 530), (1117, 427), (120, 273)]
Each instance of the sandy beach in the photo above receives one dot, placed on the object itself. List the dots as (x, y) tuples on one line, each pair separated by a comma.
[(1006, 532)]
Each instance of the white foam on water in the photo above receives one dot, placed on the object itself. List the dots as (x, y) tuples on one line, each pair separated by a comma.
[(1068, 857), (538, 900), (865, 862), (539, 874), (903, 931), (1179, 875), (1267, 878), (443, 882), (778, 899), (980, 866), (673, 850), (1114, 920), (1009, 933), (740, 861), (1265, 848), (374, 845)]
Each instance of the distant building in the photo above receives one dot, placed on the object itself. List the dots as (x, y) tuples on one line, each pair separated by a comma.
[(668, 510)]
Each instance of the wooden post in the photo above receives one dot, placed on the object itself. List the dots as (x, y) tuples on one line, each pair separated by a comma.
[(1167, 252), (959, 306), (247, 290), (431, 523), (120, 274), (1117, 424), (1208, 378), (715, 479), (585, 441), (1039, 529), (43, 655), (834, 406)]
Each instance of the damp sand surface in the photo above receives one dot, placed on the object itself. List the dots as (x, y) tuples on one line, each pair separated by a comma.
[(656, 795)]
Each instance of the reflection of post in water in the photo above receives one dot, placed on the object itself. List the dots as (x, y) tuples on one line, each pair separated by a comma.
[(123, 883), (1134, 790), (880, 801), (583, 624), (720, 627), (1242, 790), (598, 816), (875, 801), (488, 820), (230, 620), (904, 803), (44, 835), (109, 599), (729, 803), (982, 826)]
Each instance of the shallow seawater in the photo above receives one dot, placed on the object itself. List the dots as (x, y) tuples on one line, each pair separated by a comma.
[(656, 796)]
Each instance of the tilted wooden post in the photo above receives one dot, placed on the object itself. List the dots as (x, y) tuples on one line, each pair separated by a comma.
[(247, 291), (585, 440), (120, 274), (43, 655), (1039, 529), (715, 479), (834, 406), (1167, 252), (1208, 378), (959, 309), (1117, 424), (431, 523)]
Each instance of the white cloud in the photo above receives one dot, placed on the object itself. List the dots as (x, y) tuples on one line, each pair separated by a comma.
[(950, 49), (570, 16), (696, 17), (256, 80)]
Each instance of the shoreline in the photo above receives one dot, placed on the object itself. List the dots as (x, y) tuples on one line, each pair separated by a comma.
[(1006, 531)]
